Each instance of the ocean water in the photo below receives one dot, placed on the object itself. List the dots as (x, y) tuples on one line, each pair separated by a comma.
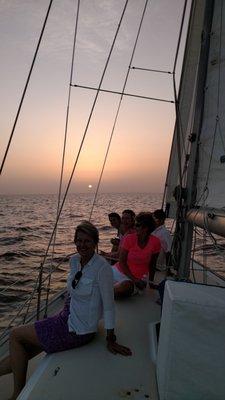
[(26, 226)]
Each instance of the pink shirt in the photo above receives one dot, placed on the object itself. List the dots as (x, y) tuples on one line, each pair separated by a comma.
[(132, 230), (138, 259)]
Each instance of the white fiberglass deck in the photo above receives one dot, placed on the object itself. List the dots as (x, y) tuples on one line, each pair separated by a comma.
[(92, 372)]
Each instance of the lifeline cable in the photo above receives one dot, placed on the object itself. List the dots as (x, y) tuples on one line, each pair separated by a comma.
[(25, 88)]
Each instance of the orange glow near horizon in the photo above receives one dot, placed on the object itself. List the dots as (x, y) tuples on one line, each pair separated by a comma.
[(129, 160), (140, 147)]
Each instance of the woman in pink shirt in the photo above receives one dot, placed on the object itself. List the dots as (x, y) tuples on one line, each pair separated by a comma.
[(138, 254)]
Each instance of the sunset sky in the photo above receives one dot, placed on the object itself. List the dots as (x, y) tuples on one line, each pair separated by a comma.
[(139, 152)]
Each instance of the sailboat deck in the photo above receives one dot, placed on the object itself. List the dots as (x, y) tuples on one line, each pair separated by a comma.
[(92, 372)]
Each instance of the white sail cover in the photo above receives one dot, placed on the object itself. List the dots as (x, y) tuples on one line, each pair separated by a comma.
[(190, 358), (186, 100), (211, 173)]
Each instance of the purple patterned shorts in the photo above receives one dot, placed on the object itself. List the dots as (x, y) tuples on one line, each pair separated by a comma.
[(54, 335)]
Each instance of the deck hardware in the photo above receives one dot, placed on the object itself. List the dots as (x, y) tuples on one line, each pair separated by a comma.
[(56, 371), (180, 193), (192, 137), (147, 396), (211, 215), (214, 61)]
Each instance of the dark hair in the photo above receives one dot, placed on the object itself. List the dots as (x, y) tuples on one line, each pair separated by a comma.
[(89, 229), (160, 214), (146, 219), (114, 215), (131, 212)]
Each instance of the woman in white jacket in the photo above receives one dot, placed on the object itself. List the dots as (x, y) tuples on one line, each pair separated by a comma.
[(90, 296)]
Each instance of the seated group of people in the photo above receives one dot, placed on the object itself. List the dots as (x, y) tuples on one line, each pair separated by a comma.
[(141, 242), (92, 286)]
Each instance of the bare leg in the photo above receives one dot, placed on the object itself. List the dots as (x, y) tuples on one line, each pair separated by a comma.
[(152, 273), (23, 345), (5, 363), (123, 289), (5, 366)]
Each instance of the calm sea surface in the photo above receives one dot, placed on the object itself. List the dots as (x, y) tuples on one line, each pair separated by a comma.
[(26, 226)]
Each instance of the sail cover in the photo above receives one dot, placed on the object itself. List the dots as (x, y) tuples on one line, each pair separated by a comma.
[(211, 172), (187, 94)]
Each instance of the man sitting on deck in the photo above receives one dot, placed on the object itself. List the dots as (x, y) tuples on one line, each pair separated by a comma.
[(165, 238)]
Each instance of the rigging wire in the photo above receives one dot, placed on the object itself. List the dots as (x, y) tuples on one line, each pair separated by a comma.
[(220, 47), (123, 90), (219, 248), (152, 70), (205, 234), (211, 155), (73, 170), (25, 88), (204, 257), (221, 136), (31, 297), (180, 146), (84, 134), (187, 147), (178, 123), (27, 301), (118, 108), (124, 94), (44, 279), (64, 148), (106, 156), (10, 286), (205, 193), (192, 258), (179, 39), (177, 108)]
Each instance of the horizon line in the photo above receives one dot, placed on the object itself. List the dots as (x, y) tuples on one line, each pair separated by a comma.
[(74, 193)]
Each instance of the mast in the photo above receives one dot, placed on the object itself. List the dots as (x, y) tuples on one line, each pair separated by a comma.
[(189, 192)]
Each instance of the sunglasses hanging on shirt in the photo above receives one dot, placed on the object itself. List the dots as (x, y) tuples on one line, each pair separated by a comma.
[(76, 279)]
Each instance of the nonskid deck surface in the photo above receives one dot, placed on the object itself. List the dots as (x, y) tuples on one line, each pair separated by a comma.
[(92, 372), (92, 367)]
